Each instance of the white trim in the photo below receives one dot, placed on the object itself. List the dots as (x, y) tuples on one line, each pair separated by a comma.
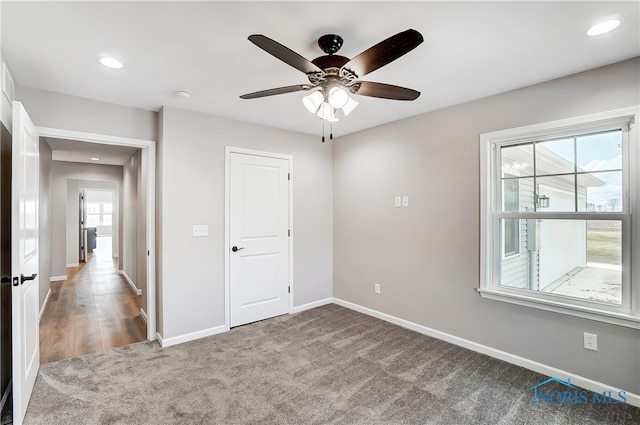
[(149, 158), (228, 150), (8, 85), (44, 305), (311, 305), (589, 384), (57, 278), (143, 314), (5, 394), (168, 342), (73, 265), (104, 139), (572, 309), (130, 282)]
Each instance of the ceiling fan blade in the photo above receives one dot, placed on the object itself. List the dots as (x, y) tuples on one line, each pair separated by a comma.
[(283, 53), (384, 52), (279, 90), (386, 91)]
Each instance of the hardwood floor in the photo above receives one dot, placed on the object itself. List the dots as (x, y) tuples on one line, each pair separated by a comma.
[(94, 310)]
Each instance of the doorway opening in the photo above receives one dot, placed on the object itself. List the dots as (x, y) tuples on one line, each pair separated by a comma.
[(116, 276)]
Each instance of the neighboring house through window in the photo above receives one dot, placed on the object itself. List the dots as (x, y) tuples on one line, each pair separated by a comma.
[(559, 207)]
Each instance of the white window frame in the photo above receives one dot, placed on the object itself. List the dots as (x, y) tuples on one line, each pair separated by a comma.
[(627, 314)]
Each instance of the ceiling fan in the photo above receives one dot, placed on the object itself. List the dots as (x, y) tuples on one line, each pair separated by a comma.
[(336, 75)]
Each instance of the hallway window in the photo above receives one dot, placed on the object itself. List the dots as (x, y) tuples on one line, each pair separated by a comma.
[(99, 214)]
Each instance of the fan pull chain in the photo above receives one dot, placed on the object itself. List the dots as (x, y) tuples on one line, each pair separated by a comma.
[(331, 130), (322, 131)]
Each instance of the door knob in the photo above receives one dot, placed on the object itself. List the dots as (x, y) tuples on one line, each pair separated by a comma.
[(236, 249), (24, 278)]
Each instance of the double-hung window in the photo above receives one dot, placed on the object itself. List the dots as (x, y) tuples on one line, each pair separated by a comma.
[(560, 216), (99, 214)]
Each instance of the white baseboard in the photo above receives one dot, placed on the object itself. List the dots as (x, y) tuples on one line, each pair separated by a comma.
[(57, 278), (311, 305), (72, 265), (44, 305), (168, 342), (5, 394), (130, 282), (144, 316), (589, 384)]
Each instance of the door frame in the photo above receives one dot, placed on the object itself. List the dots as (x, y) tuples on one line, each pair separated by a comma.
[(148, 150), (227, 196)]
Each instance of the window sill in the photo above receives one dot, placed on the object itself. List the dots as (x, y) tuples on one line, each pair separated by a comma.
[(620, 319)]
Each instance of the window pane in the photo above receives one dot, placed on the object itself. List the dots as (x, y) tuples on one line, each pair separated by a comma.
[(555, 157), (573, 258), (511, 237), (556, 193), (93, 207), (106, 219), (600, 192), (107, 207), (93, 220), (514, 271), (600, 151), (517, 160), (517, 194)]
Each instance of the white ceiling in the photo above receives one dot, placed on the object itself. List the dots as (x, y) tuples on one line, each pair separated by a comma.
[(471, 50)]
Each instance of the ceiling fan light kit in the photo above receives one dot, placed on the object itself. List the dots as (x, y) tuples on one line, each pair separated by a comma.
[(337, 76)]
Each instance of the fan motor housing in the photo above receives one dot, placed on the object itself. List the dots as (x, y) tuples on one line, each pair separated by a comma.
[(330, 61)]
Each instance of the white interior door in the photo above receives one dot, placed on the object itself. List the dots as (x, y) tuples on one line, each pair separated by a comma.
[(24, 259), (258, 237)]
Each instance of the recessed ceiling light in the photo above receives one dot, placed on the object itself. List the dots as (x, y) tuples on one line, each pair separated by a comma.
[(183, 93), (95, 158), (603, 27), (110, 62)]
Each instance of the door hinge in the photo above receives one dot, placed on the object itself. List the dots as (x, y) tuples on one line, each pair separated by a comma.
[(289, 289), (148, 253), (289, 232), (288, 176)]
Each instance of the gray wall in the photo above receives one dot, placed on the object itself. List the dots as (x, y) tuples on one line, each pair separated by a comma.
[(426, 256), (134, 225), (55, 110), (191, 191), (44, 219), (67, 178)]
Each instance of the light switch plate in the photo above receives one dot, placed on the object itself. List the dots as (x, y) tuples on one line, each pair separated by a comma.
[(398, 201), (200, 230), (405, 201)]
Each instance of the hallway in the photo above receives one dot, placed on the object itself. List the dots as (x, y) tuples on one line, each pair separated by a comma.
[(94, 310)]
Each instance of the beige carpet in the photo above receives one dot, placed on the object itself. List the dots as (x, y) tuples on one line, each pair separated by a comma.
[(328, 365)]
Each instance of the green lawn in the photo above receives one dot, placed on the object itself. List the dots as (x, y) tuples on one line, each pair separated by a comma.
[(604, 247)]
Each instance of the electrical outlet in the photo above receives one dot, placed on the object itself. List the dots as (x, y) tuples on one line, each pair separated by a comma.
[(405, 201), (376, 288), (591, 341)]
